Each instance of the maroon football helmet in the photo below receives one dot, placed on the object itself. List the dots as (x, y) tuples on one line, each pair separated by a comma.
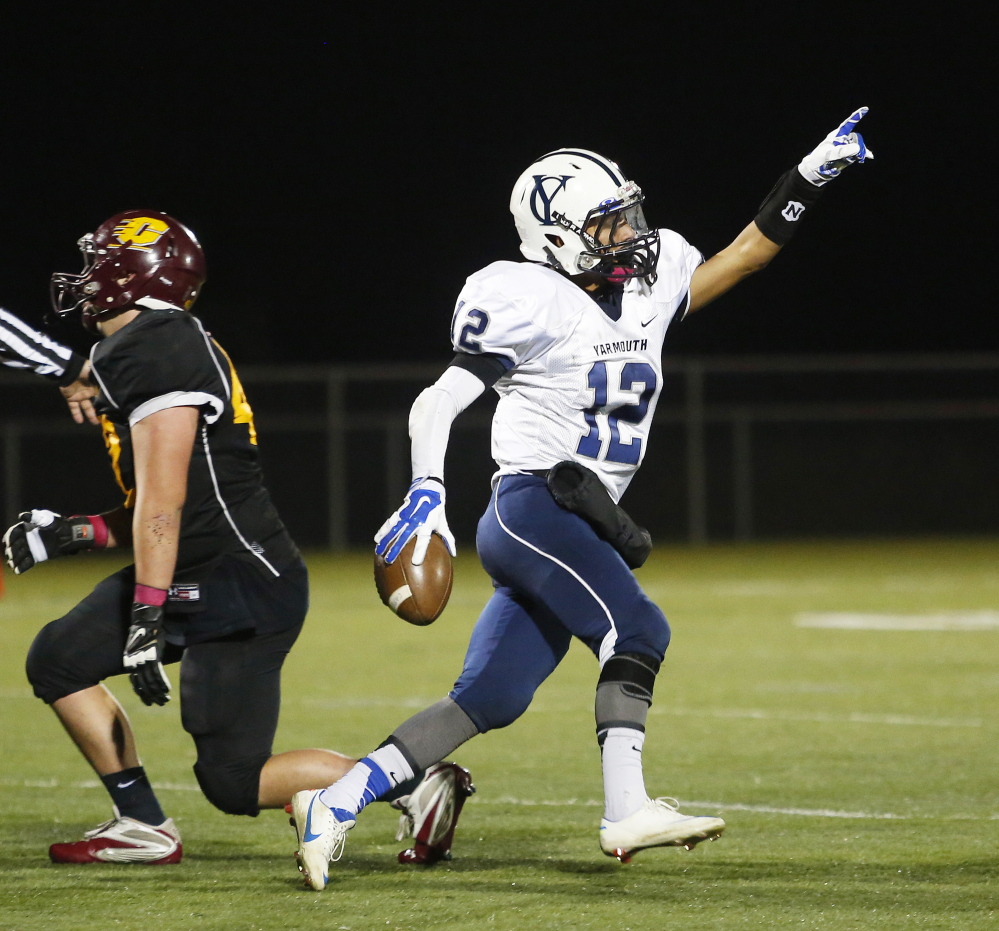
[(135, 254)]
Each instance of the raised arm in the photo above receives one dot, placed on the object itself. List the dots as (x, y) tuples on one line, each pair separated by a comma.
[(779, 215)]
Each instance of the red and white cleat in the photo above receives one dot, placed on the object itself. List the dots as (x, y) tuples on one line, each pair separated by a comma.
[(430, 813), (123, 840), (656, 824)]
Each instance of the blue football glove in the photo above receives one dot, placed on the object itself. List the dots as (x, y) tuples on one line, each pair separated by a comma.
[(840, 148), (422, 513)]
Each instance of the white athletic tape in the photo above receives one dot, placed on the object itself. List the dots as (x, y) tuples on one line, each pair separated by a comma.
[(399, 596)]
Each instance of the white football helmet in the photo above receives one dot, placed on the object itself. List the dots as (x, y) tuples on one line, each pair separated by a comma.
[(576, 212)]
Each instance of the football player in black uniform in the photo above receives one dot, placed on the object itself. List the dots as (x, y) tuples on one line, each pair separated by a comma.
[(217, 584)]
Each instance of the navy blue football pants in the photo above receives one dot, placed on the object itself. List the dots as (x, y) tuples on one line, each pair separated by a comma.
[(555, 579)]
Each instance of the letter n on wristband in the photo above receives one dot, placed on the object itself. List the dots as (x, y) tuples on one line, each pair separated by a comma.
[(785, 206)]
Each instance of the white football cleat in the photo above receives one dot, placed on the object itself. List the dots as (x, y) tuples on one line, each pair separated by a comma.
[(430, 813), (320, 837), (656, 824), (123, 840)]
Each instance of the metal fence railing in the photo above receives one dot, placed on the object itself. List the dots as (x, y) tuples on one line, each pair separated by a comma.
[(716, 415)]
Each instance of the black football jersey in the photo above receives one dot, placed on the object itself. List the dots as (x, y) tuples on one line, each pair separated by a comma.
[(163, 359)]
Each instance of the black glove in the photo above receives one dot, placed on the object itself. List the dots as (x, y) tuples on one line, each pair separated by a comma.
[(41, 535), (144, 652), (577, 489)]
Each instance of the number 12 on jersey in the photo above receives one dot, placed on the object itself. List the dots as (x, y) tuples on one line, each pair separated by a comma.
[(622, 407)]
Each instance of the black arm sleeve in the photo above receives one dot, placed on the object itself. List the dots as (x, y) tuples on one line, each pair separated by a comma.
[(486, 367)]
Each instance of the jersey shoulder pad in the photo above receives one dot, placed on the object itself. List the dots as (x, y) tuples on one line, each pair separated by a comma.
[(508, 309), (159, 354), (678, 260), (534, 290)]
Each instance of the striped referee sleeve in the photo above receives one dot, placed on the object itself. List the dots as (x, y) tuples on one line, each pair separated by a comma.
[(22, 347)]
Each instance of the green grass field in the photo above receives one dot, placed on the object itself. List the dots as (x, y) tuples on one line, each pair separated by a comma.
[(858, 770)]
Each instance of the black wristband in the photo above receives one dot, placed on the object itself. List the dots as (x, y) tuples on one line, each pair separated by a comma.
[(785, 206), (72, 371)]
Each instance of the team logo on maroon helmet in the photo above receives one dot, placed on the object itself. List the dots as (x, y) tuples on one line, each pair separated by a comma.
[(139, 233)]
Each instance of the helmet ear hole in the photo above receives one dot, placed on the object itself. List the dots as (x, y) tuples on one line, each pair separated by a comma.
[(556, 241)]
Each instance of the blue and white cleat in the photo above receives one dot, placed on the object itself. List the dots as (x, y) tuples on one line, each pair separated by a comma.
[(321, 836), (656, 824)]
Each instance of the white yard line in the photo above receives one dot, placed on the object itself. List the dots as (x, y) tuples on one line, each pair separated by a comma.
[(755, 714), (560, 803), (947, 620), (819, 717)]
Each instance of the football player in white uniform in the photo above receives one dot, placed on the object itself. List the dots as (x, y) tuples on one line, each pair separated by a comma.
[(571, 340)]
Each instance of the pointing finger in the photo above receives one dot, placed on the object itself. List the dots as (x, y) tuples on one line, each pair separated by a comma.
[(851, 121)]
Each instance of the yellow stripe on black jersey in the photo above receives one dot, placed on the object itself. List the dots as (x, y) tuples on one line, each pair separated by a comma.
[(241, 410), (113, 443)]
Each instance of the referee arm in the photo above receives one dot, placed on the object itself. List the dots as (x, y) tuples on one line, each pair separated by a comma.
[(23, 347)]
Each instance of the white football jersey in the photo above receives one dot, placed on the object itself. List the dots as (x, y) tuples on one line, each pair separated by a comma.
[(580, 385)]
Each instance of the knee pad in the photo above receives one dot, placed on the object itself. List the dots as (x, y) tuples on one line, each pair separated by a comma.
[(624, 692), (44, 668), (233, 786), (648, 634)]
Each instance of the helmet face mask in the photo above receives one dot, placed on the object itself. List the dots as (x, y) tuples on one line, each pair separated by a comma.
[(133, 255), (575, 211)]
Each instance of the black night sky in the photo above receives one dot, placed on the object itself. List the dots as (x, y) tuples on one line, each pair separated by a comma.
[(346, 168)]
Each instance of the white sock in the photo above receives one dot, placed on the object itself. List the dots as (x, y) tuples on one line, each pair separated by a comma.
[(624, 781), (367, 781)]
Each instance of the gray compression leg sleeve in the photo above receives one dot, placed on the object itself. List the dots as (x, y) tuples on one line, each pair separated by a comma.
[(624, 692), (433, 734)]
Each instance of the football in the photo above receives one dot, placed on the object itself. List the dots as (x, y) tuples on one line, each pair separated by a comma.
[(417, 594)]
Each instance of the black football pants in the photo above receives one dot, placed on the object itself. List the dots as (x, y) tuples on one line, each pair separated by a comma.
[(230, 687)]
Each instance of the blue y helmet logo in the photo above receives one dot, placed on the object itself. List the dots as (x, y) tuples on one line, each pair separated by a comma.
[(541, 196)]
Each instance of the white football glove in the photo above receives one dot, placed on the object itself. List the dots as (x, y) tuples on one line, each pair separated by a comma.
[(840, 148), (422, 513)]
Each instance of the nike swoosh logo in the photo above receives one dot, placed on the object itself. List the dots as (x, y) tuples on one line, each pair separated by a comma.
[(125, 785), (309, 836), (137, 636), (647, 322)]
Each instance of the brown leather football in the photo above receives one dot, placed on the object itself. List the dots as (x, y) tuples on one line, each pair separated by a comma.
[(417, 594)]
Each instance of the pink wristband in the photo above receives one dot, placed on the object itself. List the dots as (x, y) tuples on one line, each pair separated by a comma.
[(147, 595), (100, 530)]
